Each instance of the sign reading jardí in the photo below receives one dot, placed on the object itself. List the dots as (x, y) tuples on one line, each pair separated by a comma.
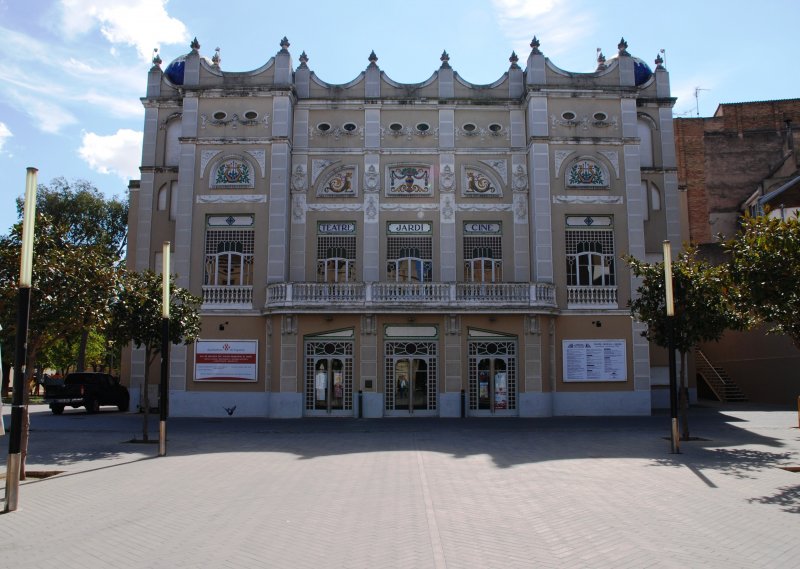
[(409, 227), (226, 360)]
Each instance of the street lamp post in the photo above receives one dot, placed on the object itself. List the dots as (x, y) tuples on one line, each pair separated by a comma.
[(164, 395), (673, 382), (13, 464)]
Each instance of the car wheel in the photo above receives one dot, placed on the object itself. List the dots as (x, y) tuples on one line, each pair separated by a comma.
[(92, 406), (125, 404), (57, 409)]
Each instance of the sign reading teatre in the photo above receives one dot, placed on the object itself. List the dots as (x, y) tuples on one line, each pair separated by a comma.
[(336, 228)]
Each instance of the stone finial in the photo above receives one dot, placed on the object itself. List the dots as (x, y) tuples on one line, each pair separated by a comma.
[(285, 45), (535, 46), (601, 60), (195, 45), (216, 60), (303, 60), (156, 58), (659, 60), (513, 59), (445, 60), (622, 46), (373, 59)]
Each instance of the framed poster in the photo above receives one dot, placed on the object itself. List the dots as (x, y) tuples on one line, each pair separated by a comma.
[(595, 360), (226, 360)]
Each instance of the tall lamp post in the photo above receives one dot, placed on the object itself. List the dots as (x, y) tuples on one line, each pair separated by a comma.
[(23, 311), (164, 395), (673, 381)]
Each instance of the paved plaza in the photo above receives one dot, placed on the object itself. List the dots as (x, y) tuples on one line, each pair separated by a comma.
[(416, 493)]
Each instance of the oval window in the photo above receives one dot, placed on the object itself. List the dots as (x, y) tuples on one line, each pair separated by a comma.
[(469, 127), (494, 127), (324, 127), (220, 115), (349, 126), (423, 127), (251, 115), (568, 116), (600, 116), (396, 126)]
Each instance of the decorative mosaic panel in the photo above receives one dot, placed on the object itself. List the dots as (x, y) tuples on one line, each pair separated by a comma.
[(232, 173), (476, 183), (586, 173), (342, 182), (409, 180)]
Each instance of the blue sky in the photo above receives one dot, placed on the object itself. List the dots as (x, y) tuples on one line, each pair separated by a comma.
[(73, 70)]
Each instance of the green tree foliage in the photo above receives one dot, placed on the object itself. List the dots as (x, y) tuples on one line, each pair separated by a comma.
[(703, 310), (136, 318), (765, 273)]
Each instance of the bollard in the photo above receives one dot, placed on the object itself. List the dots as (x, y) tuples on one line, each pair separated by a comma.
[(360, 408), (463, 404), (798, 411)]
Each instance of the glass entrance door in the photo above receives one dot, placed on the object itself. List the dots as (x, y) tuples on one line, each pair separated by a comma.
[(492, 378), (410, 386), (329, 378)]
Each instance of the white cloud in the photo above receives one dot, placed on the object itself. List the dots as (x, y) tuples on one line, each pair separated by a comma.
[(114, 104), (143, 24), (48, 116), (118, 153), (5, 134)]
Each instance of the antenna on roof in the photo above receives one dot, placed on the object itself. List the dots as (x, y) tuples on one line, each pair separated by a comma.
[(697, 98)]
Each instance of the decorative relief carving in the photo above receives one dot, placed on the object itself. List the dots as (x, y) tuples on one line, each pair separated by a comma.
[(371, 207), (299, 180), (368, 325), (613, 157), (482, 133), (227, 198), (408, 207), (260, 156), (408, 132), (448, 178), (205, 157), (336, 131), (584, 122), (499, 166), (613, 200), (452, 325), (289, 325), (372, 179), (533, 326), (520, 207), (233, 121), (560, 156), (317, 166), (409, 181), (299, 208), (485, 207), (349, 207), (520, 182), (447, 208)]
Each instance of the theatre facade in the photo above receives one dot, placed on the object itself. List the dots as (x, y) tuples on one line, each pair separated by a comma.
[(381, 249)]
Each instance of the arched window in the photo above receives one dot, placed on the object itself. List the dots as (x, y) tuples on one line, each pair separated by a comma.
[(163, 198), (172, 148), (645, 133), (590, 258)]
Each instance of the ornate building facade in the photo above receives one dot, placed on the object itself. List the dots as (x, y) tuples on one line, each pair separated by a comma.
[(384, 249)]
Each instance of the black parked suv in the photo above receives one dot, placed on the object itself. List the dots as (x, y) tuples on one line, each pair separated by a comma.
[(87, 389)]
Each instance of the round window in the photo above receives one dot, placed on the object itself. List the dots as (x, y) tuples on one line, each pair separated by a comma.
[(469, 127), (349, 126), (251, 115), (423, 127), (324, 127), (396, 126), (494, 127), (220, 115), (568, 116), (600, 116)]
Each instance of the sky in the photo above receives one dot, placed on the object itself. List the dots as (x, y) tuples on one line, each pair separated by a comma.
[(73, 71)]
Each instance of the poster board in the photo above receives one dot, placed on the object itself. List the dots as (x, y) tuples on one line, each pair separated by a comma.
[(226, 360), (595, 360)]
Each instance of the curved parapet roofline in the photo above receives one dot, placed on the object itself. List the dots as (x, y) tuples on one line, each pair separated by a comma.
[(359, 78), (219, 72), (612, 64), (492, 85), (398, 85)]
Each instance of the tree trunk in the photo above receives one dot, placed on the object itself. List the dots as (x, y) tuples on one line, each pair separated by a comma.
[(33, 350), (684, 400), (81, 363)]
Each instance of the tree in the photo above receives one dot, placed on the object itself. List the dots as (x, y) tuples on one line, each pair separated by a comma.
[(765, 272), (136, 318), (702, 308)]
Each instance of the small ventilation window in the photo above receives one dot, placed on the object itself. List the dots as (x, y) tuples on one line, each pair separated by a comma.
[(600, 116), (324, 127), (494, 127), (349, 126), (251, 115), (220, 115), (568, 116), (396, 126), (469, 127), (423, 127)]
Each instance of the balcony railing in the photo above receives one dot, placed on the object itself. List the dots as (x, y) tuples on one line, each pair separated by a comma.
[(592, 297), (373, 295), (227, 297)]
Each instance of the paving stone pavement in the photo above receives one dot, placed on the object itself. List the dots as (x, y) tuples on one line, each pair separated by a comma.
[(416, 493)]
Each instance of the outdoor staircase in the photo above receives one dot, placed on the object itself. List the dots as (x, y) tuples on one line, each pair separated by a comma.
[(717, 379)]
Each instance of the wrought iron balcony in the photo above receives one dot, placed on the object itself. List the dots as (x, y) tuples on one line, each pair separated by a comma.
[(424, 296)]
